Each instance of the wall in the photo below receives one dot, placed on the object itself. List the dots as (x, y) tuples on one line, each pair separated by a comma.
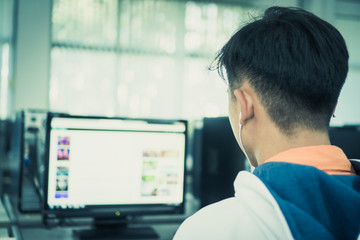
[(345, 16), (32, 56), (347, 20)]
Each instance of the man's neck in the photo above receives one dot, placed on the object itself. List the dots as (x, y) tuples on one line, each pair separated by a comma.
[(280, 142)]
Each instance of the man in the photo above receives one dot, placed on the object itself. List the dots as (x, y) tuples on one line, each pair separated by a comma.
[(284, 72)]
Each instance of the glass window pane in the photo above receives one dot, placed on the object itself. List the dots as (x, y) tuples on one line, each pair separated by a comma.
[(156, 61), (208, 25), (82, 81), (147, 86), (204, 91), (149, 25), (86, 22)]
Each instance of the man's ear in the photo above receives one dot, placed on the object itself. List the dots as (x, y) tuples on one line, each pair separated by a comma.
[(246, 105)]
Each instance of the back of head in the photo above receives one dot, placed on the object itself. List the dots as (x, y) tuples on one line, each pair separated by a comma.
[(296, 63)]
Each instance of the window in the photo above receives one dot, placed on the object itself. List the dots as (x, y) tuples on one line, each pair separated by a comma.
[(139, 58), (6, 55)]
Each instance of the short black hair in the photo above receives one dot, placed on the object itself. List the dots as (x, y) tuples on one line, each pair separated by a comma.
[(296, 62)]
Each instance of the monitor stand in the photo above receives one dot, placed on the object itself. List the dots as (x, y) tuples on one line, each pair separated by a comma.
[(117, 228)]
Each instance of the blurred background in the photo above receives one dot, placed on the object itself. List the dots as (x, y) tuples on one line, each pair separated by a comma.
[(139, 58)]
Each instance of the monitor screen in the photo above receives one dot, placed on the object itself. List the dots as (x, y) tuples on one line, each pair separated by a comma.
[(98, 166)]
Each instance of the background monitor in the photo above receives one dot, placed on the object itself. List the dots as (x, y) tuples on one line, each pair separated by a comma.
[(27, 159), (348, 139), (217, 160), (5, 133), (111, 167)]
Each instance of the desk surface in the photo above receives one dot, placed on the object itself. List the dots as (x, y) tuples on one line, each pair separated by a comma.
[(29, 226), (5, 222), (165, 231)]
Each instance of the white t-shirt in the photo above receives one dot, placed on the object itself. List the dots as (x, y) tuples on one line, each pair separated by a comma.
[(252, 214)]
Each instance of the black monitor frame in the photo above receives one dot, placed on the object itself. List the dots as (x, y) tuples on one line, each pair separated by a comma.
[(108, 211), (347, 138)]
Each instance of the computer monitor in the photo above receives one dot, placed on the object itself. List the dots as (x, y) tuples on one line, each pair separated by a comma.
[(217, 160), (112, 167), (347, 138), (27, 159)]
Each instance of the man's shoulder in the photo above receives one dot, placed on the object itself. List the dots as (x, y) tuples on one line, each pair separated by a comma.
[(223, 212), (251, 214), (215, 221), (313, 201)]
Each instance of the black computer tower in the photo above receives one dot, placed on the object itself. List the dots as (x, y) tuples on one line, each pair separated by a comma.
[(26, 163), (217, 160)]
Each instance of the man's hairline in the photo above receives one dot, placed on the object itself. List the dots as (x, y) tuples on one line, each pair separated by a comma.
[(240, 80)]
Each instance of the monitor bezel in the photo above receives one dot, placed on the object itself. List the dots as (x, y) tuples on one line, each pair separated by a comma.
[(102, 211)]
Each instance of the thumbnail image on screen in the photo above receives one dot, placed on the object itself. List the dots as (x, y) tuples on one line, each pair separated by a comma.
[(62, 175), (63, 148), (159, 172)]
